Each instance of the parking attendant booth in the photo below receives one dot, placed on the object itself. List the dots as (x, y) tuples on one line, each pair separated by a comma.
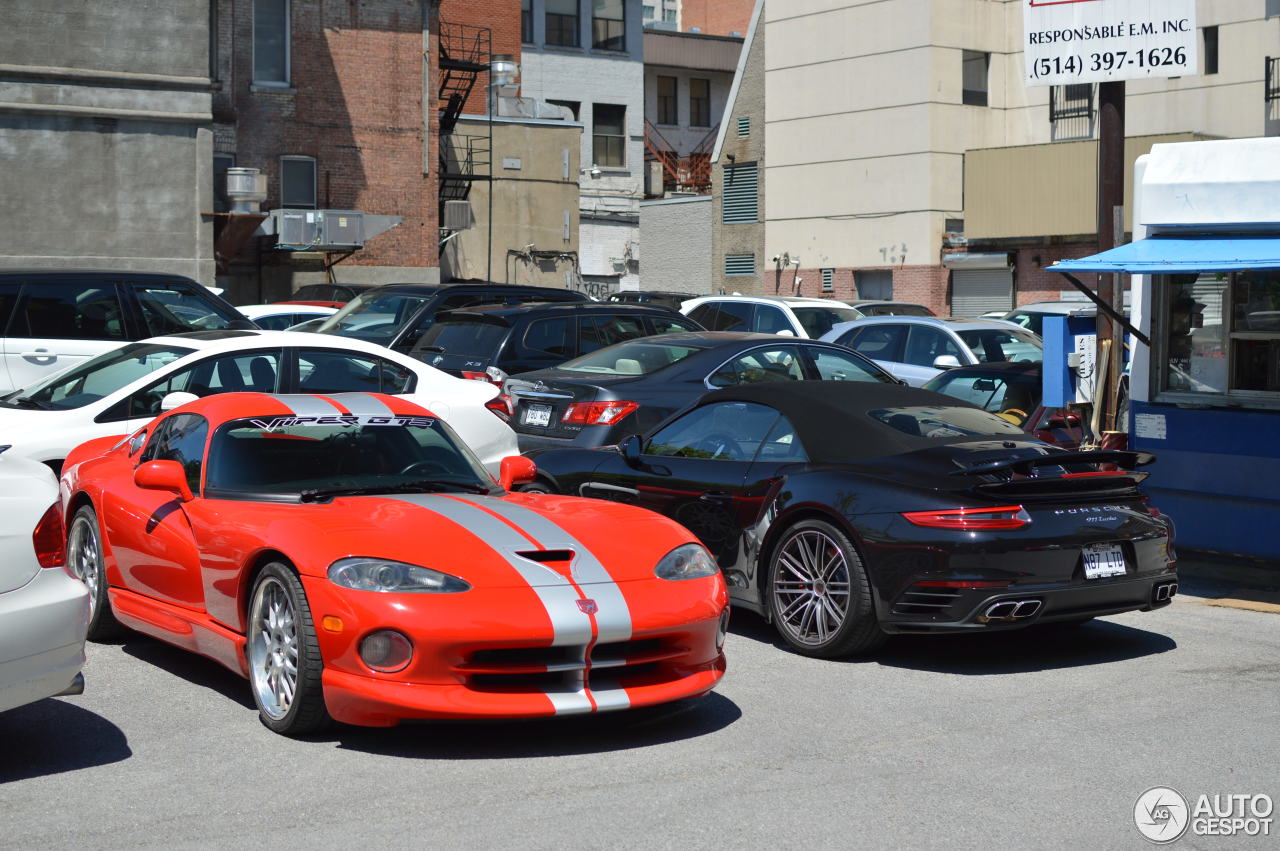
[(1205, 397)]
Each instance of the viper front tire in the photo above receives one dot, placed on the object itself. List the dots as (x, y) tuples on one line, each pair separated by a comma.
[(285, 667)]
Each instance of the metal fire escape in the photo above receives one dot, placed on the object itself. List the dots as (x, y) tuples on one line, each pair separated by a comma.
[(688, 173), (465, 52)]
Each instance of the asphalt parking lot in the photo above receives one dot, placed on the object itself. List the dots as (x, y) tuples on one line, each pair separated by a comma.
[(1027, 739)]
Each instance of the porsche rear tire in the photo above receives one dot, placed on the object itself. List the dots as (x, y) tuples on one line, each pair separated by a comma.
[(818, 593), (285, 667), (84, 558)]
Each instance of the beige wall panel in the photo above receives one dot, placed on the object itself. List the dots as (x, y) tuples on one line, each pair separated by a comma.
[(849, 29), (907, 239), (887, 184), (848, 85), (850, 135)]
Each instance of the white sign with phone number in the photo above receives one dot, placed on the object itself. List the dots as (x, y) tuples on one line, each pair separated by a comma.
[(1101, 41)]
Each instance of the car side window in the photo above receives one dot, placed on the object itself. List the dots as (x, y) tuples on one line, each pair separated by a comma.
[(338, 371), (724, 315), (181, 438), (8, 298), (549, 335), (770, 320), (279, 322), (760, 366), (256, 372), (176, 310), (723, 431), (879, 342), (670, 324), (596, 332), (69, 310), (925, 345), (782, 444), (835, 365)]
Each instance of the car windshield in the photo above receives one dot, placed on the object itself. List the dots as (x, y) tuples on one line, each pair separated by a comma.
[(993, 345), (635, 357), (935, 421), (817, 321), (94, 379), (472, 336), (290, 455), (1013, 395), (375, 316)]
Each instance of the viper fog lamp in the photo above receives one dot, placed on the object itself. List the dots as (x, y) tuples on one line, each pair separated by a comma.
[(689, 561), (386, 651), (375, 574)]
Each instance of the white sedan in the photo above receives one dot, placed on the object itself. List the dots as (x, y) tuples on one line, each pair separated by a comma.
[(120, 391), (44, 611), (281, 317)]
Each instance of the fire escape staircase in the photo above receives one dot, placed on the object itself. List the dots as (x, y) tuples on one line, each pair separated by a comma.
[(688, 173), (465, 52)]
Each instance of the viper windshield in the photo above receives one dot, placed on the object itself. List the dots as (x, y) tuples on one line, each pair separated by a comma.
[(322, 457)]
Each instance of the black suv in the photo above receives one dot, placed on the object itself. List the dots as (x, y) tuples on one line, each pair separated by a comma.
[(51, 319), (471, 340), (657, 298), (397, 315)]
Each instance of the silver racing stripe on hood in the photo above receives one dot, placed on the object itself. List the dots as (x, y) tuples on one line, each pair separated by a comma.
[(613, 616), (570, 624), (363, 405), (308, 406)]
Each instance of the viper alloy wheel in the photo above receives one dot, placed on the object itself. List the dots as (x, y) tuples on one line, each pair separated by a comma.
[(84, 560), (819, 595), (284, 657)]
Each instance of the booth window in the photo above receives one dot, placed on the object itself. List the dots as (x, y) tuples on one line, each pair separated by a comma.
[(1222, 333)]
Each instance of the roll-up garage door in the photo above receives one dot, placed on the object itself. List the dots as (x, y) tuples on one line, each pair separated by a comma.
[(978, 291)]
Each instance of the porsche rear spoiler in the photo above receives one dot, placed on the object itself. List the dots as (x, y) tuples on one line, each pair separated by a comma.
[(1122, 458)]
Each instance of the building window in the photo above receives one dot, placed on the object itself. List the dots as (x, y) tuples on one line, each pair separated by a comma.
[(667, 104), (608, 25), (562, 23), (699, 102), (1210, 50), (875, 285), (221, 162), (271, 42), (739, 264), (298, 182), (974, 77), (669, 15), (744, 127), (609, 135), (572, 105), (1074, 100), (828, 280), (1221, 334), (740, 197), (648, 13), (526, 21)]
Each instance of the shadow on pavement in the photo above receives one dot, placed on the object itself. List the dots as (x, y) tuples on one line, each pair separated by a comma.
[(612, 731), (52, 736), (1017, 651), (191, 667)]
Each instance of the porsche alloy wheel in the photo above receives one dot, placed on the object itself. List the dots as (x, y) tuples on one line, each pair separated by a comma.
[(819, 595), (84, 559), (283, 654)]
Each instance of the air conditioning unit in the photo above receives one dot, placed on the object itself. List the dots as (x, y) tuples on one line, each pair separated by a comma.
[(341, 228), (457, 215), (298, 228)]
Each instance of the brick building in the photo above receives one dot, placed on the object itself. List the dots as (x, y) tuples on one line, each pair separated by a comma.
[(334, 103), (716, 17)]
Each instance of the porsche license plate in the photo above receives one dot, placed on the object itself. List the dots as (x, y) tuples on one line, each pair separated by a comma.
[(1103, 560), (537, 415)]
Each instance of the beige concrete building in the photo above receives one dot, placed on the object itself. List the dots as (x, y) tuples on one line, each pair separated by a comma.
[(875, 109), (533, 238)]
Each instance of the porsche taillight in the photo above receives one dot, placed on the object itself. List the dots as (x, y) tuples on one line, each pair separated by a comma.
[(49, 539), (972, 519), (598, 413)]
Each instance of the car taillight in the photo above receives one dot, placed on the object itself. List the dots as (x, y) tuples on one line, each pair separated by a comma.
[(501, 405), (598, 413), (1002, 517), (491, 375), (49, 539)]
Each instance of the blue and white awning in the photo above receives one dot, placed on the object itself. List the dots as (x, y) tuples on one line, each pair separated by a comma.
[(1172, 255)]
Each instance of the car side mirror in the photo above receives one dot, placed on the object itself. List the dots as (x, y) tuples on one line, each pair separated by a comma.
[(946, 362), (786, 332), (1063, 419), (176, 400), (630, 449), (516, 470), (163, 476)]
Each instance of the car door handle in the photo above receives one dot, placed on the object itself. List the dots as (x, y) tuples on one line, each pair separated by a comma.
[(39, 354), (715, 496)]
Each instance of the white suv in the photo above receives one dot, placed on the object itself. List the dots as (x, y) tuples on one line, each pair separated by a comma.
[(790, 316)]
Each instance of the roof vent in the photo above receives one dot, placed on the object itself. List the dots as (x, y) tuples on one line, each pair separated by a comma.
[(246, 189)]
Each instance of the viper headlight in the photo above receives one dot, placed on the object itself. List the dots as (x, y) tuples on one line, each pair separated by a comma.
[(689, 561), (383, 575)]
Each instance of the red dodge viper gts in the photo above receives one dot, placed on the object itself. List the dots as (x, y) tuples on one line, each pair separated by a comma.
[(351, 557)]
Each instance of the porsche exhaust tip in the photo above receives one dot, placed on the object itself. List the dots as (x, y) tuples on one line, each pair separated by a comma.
[(1164, 592), (1010, 610)]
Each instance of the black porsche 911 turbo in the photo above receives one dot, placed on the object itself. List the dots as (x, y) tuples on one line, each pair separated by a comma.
[(846, 511)]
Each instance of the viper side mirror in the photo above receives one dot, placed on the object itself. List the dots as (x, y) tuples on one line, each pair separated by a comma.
[(163, 476), (516, 470)]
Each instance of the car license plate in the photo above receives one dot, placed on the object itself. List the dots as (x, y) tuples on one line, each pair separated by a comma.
[(537, 415), (1103, 560)]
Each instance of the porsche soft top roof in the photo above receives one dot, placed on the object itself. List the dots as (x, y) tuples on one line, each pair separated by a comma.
[(833, 418)]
